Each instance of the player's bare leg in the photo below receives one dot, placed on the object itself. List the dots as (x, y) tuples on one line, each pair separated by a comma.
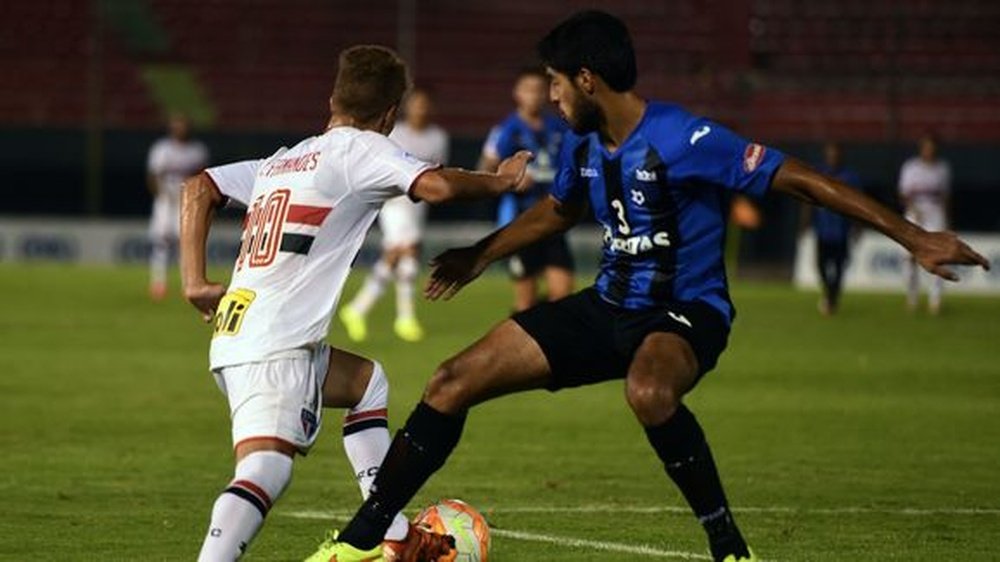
[(663, 370), (159, 263), (558, 282), (525, 293), (504, 361)]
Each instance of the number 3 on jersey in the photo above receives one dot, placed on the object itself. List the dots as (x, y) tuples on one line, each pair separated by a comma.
[(232, 308), (623, 227)]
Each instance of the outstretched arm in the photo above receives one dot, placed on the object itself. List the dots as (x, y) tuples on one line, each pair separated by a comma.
[(451, 184), (934, 251), (455, 268), (199, 199)]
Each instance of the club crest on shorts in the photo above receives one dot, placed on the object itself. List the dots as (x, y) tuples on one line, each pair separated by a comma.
[(308, 422)]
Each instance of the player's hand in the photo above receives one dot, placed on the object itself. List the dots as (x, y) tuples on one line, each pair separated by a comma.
[(935, 251), (205, 297), (515, 170), (453, 270)]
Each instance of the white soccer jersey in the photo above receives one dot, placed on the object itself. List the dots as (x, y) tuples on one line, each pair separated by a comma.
[(926, 185), (429, 144), (171, 162), (402, 219), (309, 209)]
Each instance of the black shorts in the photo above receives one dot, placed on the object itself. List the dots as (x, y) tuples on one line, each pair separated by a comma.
[(588, 340), (551, 252)]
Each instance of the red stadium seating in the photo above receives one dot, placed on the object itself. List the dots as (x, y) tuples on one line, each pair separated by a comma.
[(778, 69)]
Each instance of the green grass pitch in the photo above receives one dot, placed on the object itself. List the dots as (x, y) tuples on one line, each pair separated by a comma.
[(871, 436)]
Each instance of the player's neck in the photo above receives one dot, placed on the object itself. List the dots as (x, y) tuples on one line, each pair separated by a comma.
[(622, 114), (344, 120), (532, 118)]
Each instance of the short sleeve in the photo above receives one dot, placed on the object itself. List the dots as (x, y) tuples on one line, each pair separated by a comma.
[(445, 153), (568, 186), (505, 145), (711, 153), (236, 180), (905, 181), (490, 144), (379, 169)]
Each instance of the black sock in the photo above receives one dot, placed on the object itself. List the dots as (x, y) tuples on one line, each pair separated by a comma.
[(680, 444), (417, 451)]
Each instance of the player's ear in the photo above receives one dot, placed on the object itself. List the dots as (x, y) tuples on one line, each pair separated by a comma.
[(586, 80)]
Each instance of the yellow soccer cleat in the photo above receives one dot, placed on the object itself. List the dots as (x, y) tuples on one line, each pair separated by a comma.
[(354, 322), (408, 329), (332, 550), (733, 558)]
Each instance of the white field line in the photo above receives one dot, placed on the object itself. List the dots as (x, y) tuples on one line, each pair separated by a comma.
[(568, 542), (638, 550), (606, 508)]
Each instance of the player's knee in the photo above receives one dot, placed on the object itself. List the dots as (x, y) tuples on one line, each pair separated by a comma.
[(407, 268), (262, 476), (652, 401), (447, 390)]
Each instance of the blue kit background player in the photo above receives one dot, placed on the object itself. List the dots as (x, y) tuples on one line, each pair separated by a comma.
[(833, 233), (659, 313), (530, 127)]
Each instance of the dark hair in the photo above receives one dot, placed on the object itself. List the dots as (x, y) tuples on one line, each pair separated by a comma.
[(370, 80), (595, 40)]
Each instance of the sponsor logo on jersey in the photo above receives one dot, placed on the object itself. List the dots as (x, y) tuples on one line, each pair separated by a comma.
[(752, 157), (638, 197), (696, 136), (635, 245), (588, 173), (645, 175)]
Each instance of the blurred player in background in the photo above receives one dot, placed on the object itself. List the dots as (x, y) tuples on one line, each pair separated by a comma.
[(659, 314), (171, 159), (833, 232), (925, 192), (530, 127), (309, 209), (402, 223)]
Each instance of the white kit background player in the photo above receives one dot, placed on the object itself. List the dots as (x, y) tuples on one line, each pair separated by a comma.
[(171, 159), (309, 209), (925, 192), (402, 224)]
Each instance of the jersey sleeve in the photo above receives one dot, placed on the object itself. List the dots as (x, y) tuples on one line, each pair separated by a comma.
[(379, 169), (568, 187), (905, 179), (490, 144), (711, 153), (235, 180), (505, 144)]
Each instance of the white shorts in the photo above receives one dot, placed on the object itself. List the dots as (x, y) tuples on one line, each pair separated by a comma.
[(402, 222), (165, 223), (280, 398), (930, 218)]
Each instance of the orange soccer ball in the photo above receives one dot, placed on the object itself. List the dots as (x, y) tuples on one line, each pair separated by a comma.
[(462, 521)]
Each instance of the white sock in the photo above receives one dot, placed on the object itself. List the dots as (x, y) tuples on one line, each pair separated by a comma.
[(366, 440), (406, 276), (372, 289), (159, 261), (239, 511), (934, 292)]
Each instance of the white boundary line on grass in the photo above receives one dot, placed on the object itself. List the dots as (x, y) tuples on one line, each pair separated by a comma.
[(570, 542)]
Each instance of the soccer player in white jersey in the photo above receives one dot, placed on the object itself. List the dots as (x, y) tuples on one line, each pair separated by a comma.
[(171, 159), (402, 224), (309, 208), (925, 191)]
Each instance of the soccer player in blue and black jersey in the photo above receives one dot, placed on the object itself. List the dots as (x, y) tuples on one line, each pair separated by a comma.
[(659, 313), (530, 127), (833, 232)]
